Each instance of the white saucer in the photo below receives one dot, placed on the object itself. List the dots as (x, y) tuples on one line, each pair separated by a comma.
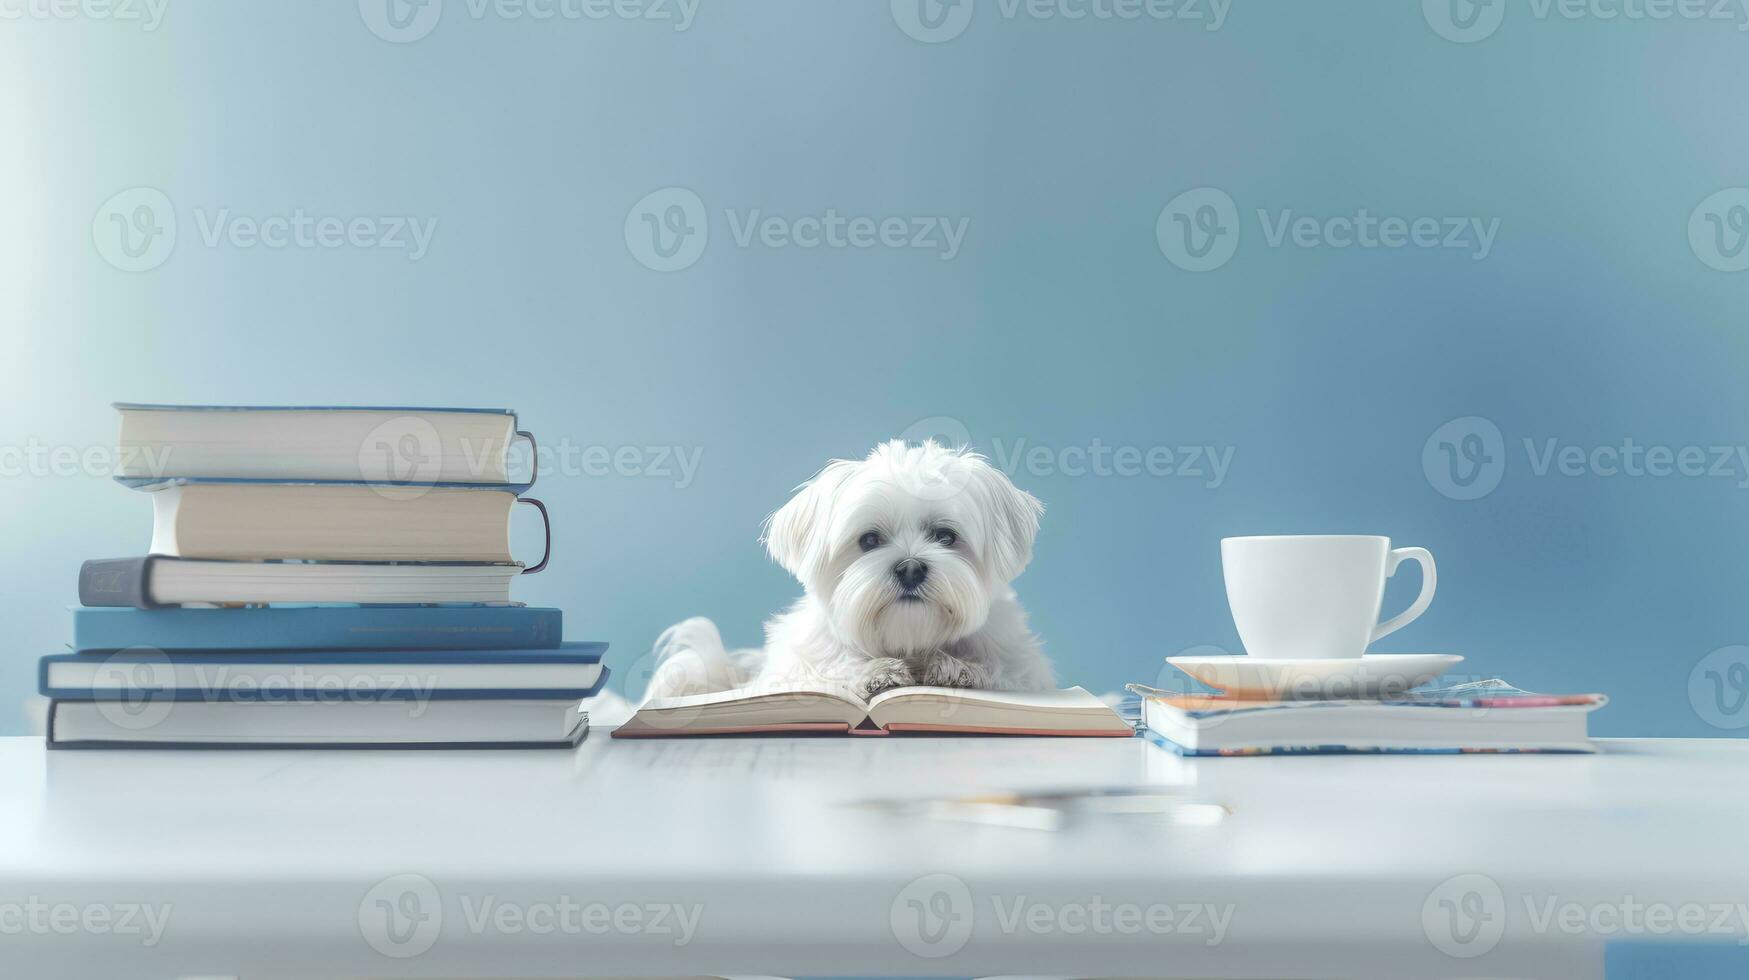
[(1370, 676)]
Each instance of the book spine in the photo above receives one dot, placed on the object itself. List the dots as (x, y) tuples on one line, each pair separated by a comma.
[(319, 628), (391, 687), (116, 582)]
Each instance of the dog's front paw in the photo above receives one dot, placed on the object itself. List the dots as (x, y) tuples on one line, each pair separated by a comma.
[(881, 674), (946, 670)]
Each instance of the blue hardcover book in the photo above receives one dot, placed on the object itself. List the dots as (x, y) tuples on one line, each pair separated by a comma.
[(319, 628), (573, 670)]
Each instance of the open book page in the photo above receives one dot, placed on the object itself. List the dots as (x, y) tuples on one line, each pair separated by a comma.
[(819, 708), (783, 707), (950, 709)]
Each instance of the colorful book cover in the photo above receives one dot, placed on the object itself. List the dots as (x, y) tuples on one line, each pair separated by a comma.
[(1215, 709)]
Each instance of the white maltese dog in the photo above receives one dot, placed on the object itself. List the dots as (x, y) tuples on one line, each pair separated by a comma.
[(905, 558)]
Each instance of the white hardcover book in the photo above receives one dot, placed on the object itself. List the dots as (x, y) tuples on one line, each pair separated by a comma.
[(330, 522), (317, 724), (422, 445)]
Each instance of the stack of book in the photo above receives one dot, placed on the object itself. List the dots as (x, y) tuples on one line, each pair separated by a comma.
[(319, 577), (1482, 716)]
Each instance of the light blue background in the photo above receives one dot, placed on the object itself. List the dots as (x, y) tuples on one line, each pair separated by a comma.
[(1060, 322)]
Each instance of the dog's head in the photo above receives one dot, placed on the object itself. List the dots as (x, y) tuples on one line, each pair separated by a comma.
[(907, 548)]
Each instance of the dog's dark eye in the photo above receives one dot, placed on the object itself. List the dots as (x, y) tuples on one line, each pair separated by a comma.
[(870, 541), (945, 537)]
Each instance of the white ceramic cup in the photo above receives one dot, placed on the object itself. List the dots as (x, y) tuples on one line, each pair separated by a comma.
[(1316, 596)]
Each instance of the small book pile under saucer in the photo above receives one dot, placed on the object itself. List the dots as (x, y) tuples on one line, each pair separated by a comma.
[(319, 577), (1393, 710)]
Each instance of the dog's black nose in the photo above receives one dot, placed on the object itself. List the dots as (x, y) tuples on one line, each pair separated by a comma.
[(910, 573)]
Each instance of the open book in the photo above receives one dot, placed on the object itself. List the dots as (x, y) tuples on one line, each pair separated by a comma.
[(904, 709)]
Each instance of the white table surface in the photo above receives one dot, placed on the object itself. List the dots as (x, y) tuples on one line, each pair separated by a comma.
[(265, 862)]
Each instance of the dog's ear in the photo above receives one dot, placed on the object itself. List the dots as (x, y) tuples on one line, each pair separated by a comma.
[(796, 536), (1013, 515)]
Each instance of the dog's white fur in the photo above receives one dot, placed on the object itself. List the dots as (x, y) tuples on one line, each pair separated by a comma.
[(854, 625)]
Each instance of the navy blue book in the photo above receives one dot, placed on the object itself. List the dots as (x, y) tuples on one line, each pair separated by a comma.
[(319, 628), (572, 671)]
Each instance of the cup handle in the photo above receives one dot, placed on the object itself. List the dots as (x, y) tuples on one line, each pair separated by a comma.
[(1429, 578)]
